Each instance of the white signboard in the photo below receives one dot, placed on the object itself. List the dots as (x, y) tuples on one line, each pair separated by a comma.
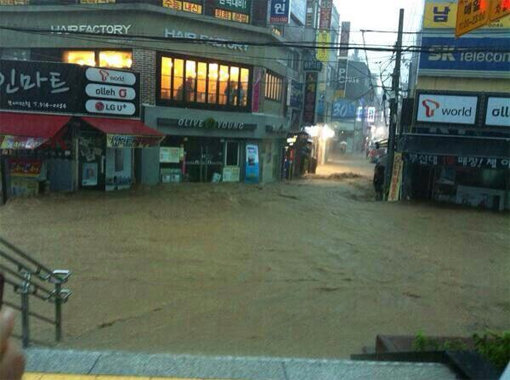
[(110, 92), (110, 76), (447, 109), (110, 107), (169, 154), (498, 112)]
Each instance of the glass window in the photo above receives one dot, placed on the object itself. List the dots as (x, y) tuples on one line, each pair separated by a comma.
[(115, 59), (190, 84), (166, 77), (213, 83), (233, 95), (274, 87), (224, 76), (80, 57), (243, 89), (119, 160), (232, 153), (178, 84), (202, 82)]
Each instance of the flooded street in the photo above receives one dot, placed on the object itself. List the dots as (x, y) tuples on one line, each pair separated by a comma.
[(310, 268)]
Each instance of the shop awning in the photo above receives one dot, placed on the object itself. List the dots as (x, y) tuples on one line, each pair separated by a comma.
[(28, 131), (125, 133)]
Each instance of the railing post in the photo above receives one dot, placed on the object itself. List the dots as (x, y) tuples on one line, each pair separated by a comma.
[(25, 323), (58, 312)]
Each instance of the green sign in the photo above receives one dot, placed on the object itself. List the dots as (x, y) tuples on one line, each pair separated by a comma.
[(243, 6)]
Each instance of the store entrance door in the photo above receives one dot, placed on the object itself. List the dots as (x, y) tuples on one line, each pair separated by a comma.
[(204, 159)]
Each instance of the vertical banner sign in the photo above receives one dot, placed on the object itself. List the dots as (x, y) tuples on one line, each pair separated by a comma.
[(342, 77), (471, 15), (345, 36), (323, 42), (499, 9), (310, 98), (252, 164), (255, 99), (280, 11), (396, 178), (325, 14)]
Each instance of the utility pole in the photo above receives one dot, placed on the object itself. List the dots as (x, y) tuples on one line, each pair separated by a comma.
[(394, 107)]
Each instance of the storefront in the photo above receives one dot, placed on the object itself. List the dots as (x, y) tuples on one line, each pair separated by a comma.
[(67, 127), (457, 156)]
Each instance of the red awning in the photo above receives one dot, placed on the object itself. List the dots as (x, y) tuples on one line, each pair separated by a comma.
[(31, 125), (122, 126)]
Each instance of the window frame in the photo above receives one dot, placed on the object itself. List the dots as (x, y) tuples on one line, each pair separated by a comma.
[(97, 52), (273, 86), (198, 105)]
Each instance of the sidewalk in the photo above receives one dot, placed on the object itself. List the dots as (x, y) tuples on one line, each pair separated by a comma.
[(42, 363)]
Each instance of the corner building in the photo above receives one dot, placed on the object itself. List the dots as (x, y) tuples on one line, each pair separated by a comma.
[(213, 94)]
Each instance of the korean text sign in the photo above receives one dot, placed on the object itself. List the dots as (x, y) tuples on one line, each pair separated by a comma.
[(280, 10)]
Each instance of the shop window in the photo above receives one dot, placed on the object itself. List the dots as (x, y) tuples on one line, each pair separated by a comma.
[(14, 2), (178, 79), (166, 77), (80, 57), (213, 83), (274, 87), (232, 153), (203, 84), (101, 58), (115, 59), (119, 160)]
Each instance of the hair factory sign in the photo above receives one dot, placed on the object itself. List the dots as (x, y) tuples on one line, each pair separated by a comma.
[(213, 41), (122, 29)]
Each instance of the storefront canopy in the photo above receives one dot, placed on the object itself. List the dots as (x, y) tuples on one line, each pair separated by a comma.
[(125, 133), (28, 131)]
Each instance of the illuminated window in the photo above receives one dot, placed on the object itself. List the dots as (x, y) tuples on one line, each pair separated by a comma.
[(115, 59), (203, 83), (274, 87), (106, 58), (166, 77), (80, 57)]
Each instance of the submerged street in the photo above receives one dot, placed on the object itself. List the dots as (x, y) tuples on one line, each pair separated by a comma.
[(308, 268)]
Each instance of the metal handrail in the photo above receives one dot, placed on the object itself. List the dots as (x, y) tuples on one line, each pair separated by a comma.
[(23, 281), (19, 252)]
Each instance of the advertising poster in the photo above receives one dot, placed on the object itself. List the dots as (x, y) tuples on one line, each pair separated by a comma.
[(25, 167), (252, 164), (170, 154), (233, 10), (89, 175)]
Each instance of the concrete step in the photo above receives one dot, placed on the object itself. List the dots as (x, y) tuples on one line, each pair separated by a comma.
[(98, 365)]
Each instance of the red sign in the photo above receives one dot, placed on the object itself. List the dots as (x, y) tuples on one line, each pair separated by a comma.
[(325, 15), (310, 98), (25, 167)]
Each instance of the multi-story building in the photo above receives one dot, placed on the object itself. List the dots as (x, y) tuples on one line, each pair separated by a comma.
[(457, 148), (215, 79)]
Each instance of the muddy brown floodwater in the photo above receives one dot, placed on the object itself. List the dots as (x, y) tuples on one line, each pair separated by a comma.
[(311, 268)]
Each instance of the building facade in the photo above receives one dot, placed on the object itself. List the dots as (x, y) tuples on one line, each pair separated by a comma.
[(214, 78), (457, 148)]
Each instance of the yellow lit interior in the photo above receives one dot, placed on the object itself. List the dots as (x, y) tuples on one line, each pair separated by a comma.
[(191, 69), (166, 71), (116, 59), (202, 82), (178, 78), (80, 57), (213, 82), (223, 84)]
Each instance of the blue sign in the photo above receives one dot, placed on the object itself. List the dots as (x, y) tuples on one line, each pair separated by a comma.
[(279, 13), (252, 164), (296, 94), (343, 109), (481, 55)]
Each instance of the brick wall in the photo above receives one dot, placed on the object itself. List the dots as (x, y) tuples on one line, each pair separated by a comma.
[(144, 62)]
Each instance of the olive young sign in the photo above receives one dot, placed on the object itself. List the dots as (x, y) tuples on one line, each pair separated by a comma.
[(66, 88)]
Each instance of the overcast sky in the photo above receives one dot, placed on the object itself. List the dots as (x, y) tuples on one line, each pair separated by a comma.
[(380, 15)]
